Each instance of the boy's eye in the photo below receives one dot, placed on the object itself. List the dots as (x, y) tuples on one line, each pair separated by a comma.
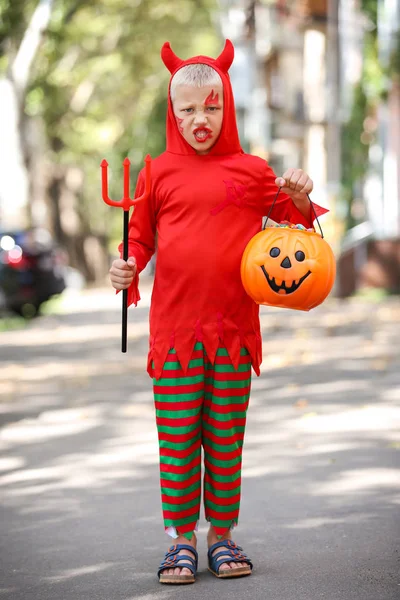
[(187, 110)]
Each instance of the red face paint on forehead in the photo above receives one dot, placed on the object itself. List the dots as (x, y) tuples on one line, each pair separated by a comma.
[(211, 99)]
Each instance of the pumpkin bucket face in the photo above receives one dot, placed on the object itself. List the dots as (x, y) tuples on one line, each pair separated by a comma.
[(289, 268)]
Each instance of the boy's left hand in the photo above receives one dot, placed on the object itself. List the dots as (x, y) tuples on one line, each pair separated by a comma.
[(295, 183)]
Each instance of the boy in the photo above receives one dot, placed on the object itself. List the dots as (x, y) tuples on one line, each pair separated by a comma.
[(206, 203)]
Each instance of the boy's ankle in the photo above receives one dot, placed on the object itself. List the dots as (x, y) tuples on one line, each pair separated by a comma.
[(212, 536), (181, 539)]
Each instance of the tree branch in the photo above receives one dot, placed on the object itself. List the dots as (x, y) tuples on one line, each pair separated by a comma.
[(22, 64)]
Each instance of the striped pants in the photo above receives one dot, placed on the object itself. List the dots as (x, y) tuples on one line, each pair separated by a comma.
[(204, 408)]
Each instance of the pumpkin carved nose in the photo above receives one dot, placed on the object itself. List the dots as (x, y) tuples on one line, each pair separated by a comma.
[(286, 264)]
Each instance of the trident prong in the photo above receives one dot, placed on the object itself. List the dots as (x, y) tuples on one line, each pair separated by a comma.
[(125, 204), (126, 201)]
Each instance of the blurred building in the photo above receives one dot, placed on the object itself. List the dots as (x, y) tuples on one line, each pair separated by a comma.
[(290, 72), (370, 254), (296, 67)]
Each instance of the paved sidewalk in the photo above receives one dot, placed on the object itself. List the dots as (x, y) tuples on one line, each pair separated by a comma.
[(79, 490)]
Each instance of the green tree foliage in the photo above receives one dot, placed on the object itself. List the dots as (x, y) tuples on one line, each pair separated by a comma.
[(14, 17), (354, 153), (99, 87), (360, 131), (395, 58)]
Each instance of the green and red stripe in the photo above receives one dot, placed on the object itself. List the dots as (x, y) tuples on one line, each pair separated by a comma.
[(206, 407)]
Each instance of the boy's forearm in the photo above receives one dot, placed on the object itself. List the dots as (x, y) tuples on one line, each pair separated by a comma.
[(303, 205), (297, 184)]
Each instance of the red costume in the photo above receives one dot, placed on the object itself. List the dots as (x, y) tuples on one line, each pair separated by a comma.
[(205, 209)]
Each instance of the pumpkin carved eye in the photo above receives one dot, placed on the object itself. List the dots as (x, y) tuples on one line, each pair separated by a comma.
[(274, 252), (300, 256)]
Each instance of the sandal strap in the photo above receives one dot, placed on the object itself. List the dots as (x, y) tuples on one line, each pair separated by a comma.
[(228, 544), (176, 548), (172, 559), (230, 551), (234, 553)]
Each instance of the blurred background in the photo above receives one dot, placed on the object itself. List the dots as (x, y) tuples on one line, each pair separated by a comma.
[(317, 85)]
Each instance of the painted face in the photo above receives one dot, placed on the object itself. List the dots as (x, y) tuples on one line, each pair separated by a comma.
[(199, 114)]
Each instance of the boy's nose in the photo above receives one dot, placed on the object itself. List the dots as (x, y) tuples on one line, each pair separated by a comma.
[(200, 117)]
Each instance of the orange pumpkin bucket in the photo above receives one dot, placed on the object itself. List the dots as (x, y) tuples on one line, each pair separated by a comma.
[(288, 267)]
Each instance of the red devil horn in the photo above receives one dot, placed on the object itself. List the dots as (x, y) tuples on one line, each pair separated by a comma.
[(225, 59), (169, 58)]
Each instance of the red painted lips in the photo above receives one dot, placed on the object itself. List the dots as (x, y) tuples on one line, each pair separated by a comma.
[(202, 134)]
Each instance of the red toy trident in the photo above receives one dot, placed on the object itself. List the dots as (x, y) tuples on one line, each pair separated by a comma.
[(125, 204)]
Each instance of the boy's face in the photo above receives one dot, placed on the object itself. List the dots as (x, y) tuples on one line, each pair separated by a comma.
[(199, 114)]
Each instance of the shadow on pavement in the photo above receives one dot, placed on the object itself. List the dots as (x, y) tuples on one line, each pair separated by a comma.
[(79, 486)]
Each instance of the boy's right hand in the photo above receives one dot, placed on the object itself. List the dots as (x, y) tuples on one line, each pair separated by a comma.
[(122, 273)]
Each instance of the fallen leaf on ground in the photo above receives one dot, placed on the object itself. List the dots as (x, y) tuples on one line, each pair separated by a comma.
[(303, 403)]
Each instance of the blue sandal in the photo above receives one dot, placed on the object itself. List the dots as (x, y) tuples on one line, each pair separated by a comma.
[(172, 560), (237, 555)]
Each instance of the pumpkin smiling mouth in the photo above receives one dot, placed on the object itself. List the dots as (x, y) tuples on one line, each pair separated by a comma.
[(283, 289)]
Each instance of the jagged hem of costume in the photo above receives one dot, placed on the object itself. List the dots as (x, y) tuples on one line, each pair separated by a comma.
[(211, 335), (221, 531), (173, 532)]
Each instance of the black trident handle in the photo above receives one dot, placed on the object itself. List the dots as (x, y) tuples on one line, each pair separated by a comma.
[(125, 292)]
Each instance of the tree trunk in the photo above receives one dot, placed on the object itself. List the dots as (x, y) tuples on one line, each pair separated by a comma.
[(14, 174), (87, 252)]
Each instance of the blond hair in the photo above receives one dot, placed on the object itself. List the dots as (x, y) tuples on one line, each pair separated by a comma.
[(196, 75)]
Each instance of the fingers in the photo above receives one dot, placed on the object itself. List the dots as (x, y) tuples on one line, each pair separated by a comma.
[(131, 262), (122, 273), (295, 180)]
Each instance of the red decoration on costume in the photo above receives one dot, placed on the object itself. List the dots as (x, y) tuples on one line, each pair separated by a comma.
[(235, 194), (211, 99), (198, 291)]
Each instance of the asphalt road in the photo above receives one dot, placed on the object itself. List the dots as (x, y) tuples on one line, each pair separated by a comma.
[(79, 490)]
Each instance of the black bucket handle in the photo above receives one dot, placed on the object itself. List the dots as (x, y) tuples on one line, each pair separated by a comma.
[(312, 206)]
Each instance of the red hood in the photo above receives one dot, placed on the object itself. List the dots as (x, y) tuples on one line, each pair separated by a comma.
[(228, 140)]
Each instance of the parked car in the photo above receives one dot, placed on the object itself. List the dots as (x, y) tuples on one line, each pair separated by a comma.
[(32, 270)]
